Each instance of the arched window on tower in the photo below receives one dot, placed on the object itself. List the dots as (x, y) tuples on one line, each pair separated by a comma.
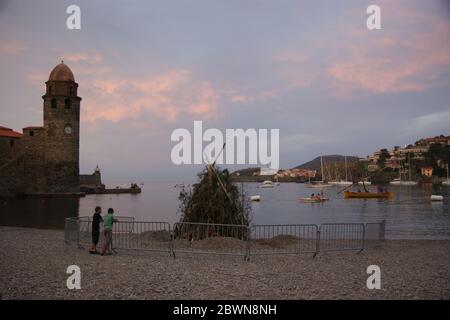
[(67, 103), (53, 103)]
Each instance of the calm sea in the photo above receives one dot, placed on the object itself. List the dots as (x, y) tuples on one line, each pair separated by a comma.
[(410, 215)]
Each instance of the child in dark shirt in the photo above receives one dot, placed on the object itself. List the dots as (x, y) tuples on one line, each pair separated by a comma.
[(96, 219)]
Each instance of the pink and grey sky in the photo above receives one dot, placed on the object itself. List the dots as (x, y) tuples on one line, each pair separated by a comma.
[(309, 68)]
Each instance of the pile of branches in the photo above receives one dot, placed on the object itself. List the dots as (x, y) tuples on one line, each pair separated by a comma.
[(216, 200)]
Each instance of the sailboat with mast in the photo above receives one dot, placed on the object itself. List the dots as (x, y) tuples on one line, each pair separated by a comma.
[(446, 182), (408, 182), (320, 184), (344, 182)]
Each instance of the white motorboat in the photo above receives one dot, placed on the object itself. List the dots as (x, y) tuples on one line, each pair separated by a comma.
[(435, 197), (255, 198), (267, 184)]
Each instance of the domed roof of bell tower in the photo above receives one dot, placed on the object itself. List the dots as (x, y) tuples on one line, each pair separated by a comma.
[(61, 73)]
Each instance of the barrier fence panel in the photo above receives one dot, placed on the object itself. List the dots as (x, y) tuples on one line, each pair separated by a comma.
[(140, 235), (374, 234), (210, 238), (85, 226), (341, 236), (71, 231), (283, 239)]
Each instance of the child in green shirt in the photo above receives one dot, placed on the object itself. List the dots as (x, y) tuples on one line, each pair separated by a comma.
[(108, 221)]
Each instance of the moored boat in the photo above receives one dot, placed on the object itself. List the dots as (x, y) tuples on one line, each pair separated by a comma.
[(344, 183), (313, 200), (436, 197), (446, 182), (368, 195), (267, 184), (319, 185)]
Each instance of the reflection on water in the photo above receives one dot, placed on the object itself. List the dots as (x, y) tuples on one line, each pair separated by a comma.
[(409, 215)]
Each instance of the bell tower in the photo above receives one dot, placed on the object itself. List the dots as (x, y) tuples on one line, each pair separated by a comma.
[(62, 131)]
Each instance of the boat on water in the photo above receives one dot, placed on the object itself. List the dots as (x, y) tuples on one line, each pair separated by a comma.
[(446, 182), (313, 200), (255, 198), (399, 182), (267, 184), (368, 195), (408, 183), (343, 183), (319, 184), (436, 197)]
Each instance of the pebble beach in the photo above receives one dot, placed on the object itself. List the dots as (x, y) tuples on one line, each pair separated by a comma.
[(33, 265)]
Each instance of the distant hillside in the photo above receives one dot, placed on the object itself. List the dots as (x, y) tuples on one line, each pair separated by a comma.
[(327, 160)]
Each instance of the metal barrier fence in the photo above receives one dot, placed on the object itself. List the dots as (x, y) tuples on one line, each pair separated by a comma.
[(72, 231), (374, 234), (141, 235), (341, 236), (226, 239), (283, 239)]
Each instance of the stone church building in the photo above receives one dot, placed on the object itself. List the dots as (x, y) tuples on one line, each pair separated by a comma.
[(45, 159)]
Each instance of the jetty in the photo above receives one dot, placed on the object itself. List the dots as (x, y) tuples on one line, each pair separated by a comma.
[(133, 189), (92, 184)]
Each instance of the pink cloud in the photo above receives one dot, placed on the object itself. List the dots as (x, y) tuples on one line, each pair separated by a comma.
[(12, 47), (242, 98), (83, 57), (164, 97), (290, 56), (387, 61)]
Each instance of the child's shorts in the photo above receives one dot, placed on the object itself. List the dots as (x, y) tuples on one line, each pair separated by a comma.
[(108, 236), (95, 236)]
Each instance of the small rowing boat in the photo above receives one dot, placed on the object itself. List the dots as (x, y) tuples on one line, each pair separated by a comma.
[(312, 200), (365, 195)]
